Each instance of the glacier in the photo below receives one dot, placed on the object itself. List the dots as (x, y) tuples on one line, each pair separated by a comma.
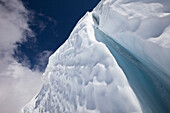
[(116, 60)]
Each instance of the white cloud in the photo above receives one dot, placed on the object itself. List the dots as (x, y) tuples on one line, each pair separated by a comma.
[(16, 90), (18, 84)]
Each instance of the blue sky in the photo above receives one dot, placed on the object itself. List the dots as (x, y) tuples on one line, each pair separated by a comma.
[(30, 31), (52, 22)]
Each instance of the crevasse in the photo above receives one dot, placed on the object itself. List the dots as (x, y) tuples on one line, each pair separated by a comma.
[(139, 76)]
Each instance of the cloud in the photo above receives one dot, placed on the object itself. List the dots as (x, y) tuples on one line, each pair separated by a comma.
[(42, 60), (18, 84), (16, 90)]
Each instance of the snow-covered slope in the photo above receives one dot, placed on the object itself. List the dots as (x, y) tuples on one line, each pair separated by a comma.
[(116, 60)]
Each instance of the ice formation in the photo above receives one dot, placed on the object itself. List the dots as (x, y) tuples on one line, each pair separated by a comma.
[(116, 60)]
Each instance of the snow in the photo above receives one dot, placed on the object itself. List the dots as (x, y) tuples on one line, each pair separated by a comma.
[(116, 60)]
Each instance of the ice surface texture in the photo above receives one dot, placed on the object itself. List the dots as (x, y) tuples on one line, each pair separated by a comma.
[(116, 60)]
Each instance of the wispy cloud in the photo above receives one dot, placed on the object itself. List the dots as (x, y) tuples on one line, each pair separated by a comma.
[(17, 82), (42, 60)]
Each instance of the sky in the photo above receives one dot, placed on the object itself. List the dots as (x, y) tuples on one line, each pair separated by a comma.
[(30, 31), (52, 22)]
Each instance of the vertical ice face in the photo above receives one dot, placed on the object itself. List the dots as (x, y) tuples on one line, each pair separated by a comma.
[(116, 60)]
